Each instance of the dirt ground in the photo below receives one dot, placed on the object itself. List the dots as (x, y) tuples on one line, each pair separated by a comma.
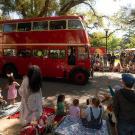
[(50, 90)]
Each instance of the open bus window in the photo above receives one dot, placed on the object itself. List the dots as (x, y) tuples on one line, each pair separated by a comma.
[(54, 25), (46, 53), (40, 25), (40, 53), (24, 26), (53, 54), (62, 54), (9, 27), (9, 52), (57, 54), (24, 53), (82, 53), (74, 24)]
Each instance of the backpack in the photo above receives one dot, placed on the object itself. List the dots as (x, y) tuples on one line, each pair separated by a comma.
[(94, 123)]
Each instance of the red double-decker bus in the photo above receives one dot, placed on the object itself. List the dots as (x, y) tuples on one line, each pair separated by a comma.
[(58, 45)]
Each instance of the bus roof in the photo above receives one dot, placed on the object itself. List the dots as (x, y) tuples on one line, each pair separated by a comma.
[(41, 19)]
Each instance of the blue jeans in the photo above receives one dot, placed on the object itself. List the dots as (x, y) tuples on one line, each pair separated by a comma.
[(125, 128)]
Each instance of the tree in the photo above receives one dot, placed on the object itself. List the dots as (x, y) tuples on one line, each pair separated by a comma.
[(30, 8), (98, 40), (126, 18)]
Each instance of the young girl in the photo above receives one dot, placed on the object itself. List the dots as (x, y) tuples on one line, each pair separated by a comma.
[(60, 105), (74, 110), (92, 116), (31, 96), (12, 91)]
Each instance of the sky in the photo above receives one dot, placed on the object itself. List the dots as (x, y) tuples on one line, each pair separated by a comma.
[(109, 7)]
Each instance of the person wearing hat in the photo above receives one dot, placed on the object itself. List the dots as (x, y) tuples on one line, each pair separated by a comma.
[(124, 106)]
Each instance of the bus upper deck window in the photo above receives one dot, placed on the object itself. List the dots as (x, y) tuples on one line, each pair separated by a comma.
[(9, 27), (74, 24), (55, 25), (40, 25), (24, 26)]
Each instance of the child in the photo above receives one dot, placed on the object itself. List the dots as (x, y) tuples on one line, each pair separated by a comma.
[(12, 91), (92, 116), (74, 110), (60, 105)]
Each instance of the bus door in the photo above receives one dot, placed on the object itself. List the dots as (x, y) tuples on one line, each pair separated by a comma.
[(71, 56), (55, 64)]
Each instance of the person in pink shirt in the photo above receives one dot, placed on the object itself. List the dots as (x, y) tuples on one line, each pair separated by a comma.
[(74, 110), (12, 91)]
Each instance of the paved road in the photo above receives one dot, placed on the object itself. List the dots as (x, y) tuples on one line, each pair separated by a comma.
[(51, 88)]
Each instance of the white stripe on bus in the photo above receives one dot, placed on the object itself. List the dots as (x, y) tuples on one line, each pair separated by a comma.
[(59, 44)]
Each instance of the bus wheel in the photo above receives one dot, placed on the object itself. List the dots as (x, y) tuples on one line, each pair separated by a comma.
[(80, 77), (9, 68)]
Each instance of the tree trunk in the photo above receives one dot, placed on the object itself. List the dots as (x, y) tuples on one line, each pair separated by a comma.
[(45, 8)]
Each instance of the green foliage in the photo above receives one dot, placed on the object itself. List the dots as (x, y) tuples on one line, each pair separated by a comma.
[(33, 8), (30, 8), (98, 39)]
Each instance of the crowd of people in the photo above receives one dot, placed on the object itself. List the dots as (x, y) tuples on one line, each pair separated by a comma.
[(122, 107), (125, 62)]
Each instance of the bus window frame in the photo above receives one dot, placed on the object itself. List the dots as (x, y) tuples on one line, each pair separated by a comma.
[(24, 30), (9, 31), (40, 29), (74, 28), (57, 21)]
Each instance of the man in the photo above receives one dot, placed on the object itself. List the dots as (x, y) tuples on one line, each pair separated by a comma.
[(124, 106), (112, 61)]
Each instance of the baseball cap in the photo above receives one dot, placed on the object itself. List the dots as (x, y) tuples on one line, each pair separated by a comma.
[(128, 78)]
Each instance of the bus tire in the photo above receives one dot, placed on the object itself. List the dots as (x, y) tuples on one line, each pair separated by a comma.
[(80, 76), (10, 68)]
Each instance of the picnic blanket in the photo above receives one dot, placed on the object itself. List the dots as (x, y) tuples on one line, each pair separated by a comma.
[(10, 109), (46, 111), (74, 127)]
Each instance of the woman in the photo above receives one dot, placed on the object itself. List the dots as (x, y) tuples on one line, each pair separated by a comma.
[(31, 96)]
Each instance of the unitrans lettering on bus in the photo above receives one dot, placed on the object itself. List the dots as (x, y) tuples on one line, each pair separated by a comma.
[(58, 45)]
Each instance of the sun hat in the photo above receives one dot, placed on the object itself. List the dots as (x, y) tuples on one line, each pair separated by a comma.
[(128, 79)]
